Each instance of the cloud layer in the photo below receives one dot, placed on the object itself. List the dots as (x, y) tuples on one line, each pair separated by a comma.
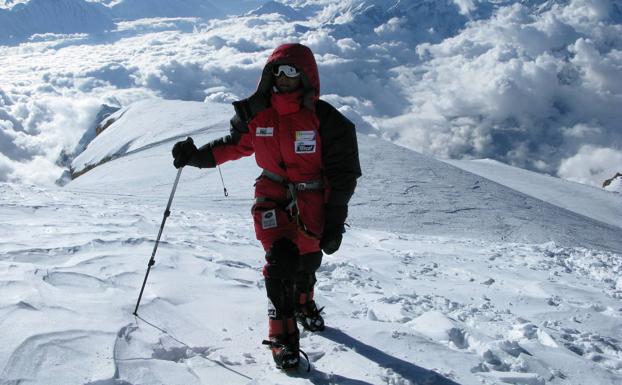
[(530, 89), (538, 86)]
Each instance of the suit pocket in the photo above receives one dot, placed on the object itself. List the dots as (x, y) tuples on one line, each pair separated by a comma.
[(270, 220)]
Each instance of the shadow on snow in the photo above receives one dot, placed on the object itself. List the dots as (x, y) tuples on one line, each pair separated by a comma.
[(407, 370)]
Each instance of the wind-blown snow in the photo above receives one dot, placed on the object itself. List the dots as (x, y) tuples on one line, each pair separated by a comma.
[(444, 277), (533, 84)]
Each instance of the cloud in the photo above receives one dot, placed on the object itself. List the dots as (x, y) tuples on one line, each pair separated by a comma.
[(392, 29), (592, 165), (33, 170), (601, 72), (531, 85), (6, 167), (465, 6), (115, 74), (34, 132), (321, 43), (529, 89)]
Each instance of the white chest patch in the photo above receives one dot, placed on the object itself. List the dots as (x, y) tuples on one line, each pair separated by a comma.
[(268, 219), (305, 135), (305, 142), (264, 131)]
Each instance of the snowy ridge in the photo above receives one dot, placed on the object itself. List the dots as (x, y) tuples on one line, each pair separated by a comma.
[(141, 125), (279, 8), (411, 22), (431, 197)]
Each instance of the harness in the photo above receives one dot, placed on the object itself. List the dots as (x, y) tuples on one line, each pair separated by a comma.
[(291, 203)]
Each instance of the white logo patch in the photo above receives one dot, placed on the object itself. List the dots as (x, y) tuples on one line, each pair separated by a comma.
[(271, 309), (305, 147), (268, 219), (305, 142), (264, 131), (305, 135)]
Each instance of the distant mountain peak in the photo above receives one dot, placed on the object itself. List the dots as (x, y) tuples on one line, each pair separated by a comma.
[(280, 8)]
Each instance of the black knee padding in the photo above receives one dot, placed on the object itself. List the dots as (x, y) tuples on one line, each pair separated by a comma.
[(282, 260), (310, 262), (281, 294)]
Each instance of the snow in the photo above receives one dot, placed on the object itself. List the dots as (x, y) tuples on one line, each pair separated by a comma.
[(148, 127), (441, 295), (578, 198), (615, 186)]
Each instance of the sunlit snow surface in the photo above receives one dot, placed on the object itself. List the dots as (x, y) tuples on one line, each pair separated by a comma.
[(444, 277)]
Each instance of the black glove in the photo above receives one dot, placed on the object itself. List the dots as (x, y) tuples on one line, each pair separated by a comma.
[(335, 217), (183, 151)]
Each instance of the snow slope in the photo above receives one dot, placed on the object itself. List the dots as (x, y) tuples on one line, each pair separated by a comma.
[(443, 278), (149, 128), (575, 197)]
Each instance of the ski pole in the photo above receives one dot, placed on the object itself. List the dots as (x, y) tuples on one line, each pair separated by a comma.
[(167, 212)]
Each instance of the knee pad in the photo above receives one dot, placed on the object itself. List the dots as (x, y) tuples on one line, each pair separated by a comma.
[(281, 296), (282, 260)]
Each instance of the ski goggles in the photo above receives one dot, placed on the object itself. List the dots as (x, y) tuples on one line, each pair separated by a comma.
[(289, 71)]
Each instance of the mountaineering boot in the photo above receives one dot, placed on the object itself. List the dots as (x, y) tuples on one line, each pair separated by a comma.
[(308, 314), (284, 343)]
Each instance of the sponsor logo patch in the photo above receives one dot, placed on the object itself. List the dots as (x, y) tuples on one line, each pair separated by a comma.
[(305, 147), (305, 135), (268, 219), (305, 142), (264, 131)]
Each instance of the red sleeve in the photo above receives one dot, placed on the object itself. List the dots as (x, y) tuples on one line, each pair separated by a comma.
[(238, 144), (232, 150)]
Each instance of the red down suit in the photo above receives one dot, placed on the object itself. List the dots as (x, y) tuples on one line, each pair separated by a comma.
[(297, 138)]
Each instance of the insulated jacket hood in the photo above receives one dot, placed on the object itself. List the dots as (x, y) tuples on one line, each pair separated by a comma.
[(295, 54), (302, 58)]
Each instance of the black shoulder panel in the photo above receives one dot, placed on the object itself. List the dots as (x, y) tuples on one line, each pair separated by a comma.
[(340, 154), (238, 124), (247, 108), (236, 130)]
